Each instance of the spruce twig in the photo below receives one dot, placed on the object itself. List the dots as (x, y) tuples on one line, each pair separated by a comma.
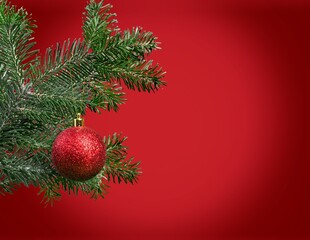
[(40, 96)]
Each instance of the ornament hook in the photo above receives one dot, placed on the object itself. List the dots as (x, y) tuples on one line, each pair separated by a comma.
[(78, 121)]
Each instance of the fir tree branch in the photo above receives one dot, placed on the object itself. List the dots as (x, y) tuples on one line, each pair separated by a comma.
[(70, 71), (141, 76), (39, 106), (16, 28), (16, 54), (95, 187), (118, 55), (105, 95), (138, 42), (60, 63), (117, 167), (39, 99), (99, 25), (22, 167)]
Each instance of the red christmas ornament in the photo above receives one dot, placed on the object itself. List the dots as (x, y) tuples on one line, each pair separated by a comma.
[(78, 153)]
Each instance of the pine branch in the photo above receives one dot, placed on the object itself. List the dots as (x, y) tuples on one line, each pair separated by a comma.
[(105, 95), (63, 103), (117, 167), (22, 167), (16, 28), (121, 56), (32, 171), (138, 42), (60, 63), (17, 57), (39, 98), (99, 25), (69, 71), (95, 187), (5, 96), (141, 76)]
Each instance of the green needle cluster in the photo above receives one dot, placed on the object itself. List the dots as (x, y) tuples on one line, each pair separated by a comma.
[(39, 96)]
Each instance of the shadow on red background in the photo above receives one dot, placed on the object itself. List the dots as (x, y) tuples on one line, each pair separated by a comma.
[(224, 147)]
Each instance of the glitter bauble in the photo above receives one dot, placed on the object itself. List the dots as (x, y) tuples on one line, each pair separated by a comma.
[(78, 153)]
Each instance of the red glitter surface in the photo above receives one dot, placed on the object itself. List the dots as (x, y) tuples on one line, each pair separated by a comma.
[(78, 153)]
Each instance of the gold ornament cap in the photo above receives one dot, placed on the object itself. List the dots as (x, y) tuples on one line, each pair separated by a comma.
[(78, 121)]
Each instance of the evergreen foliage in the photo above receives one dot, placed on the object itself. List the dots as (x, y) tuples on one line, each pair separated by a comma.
[(39, 97)]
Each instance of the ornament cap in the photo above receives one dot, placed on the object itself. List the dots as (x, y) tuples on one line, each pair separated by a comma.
[(78, 121)]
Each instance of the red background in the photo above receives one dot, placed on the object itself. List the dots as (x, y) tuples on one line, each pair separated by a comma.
[(224, 148)]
